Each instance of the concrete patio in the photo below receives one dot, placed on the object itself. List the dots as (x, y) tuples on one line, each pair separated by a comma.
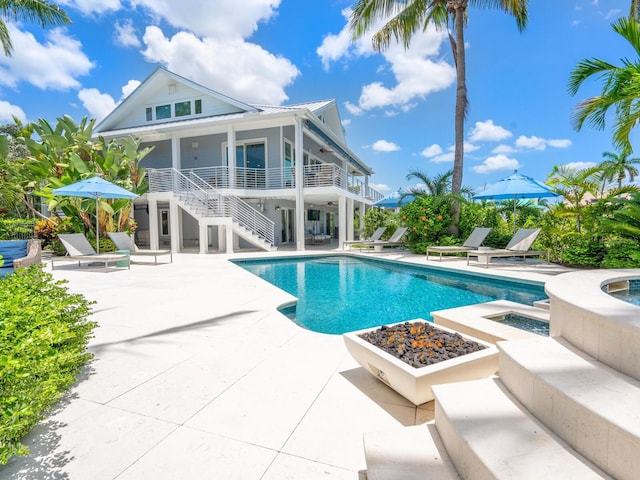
[(196, 375)]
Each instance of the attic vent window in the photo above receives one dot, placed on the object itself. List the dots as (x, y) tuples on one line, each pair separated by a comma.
[(183, 109), (172, 88), (198, 106)]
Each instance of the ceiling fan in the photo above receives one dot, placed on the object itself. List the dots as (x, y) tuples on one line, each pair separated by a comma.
[(325, 150)]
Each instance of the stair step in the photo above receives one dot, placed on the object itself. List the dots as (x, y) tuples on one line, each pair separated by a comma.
[(589, 405), (410, 453), (489, 435)]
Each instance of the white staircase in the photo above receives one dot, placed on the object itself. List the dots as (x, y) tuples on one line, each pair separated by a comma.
[(554, 412), (209, 206)]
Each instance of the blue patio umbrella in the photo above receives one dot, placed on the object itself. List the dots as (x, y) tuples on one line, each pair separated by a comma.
[(514, 187), (393, 200), (97, 188)]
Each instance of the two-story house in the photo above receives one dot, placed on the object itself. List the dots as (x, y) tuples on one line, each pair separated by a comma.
[(225, 175)]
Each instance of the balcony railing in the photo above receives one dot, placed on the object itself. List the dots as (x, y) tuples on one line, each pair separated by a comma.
[(324, 175)]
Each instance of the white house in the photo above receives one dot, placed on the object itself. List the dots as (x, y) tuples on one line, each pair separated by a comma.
[(224, 175)]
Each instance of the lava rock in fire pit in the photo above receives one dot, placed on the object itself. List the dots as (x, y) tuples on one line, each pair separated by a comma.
[(420, 343)]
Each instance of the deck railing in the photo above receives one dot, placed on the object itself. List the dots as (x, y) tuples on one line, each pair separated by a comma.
[(209, 202), (323, 175)]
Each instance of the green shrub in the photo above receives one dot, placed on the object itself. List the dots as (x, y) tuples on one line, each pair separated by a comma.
[(428, 220), (622, 253), (43, 337), (14, 228), (583, 251)]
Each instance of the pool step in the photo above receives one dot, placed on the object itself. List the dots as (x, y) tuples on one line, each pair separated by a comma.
[(489, 435), (410, 453), (595, 409)]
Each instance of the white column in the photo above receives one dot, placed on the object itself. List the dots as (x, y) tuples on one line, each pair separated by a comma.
[(176, 231), (349, 219), (299, 185), (228, 228), (222, 232), (231, 155), (342, 220), (203, 237), (154, 227), (175, 153)]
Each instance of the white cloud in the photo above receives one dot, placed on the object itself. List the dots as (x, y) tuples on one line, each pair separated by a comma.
[(220, 20), (496, 163), (92, 6), (580, 165), (531, 143), (125, 34), (99, 105), (381, 187), (502, 148), (8, 111), (416, 74), (488, 132), (53, 65), (443, 158), (353, 109), (469, 147), (385, 146), (259, 76), (431, 151), (559, 143), (130, 87)]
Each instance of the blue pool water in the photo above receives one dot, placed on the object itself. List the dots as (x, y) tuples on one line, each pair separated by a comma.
[(632, 295), (338, 294)]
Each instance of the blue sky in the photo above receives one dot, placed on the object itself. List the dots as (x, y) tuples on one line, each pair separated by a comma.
[(397, 107)]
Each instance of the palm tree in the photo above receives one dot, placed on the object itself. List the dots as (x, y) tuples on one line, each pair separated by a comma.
[(437, 186), (404, 18), (618, 165), (575, 185), (621, 89), (634, 12), (39, 11)]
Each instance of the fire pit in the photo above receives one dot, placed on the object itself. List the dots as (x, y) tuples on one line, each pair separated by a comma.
[(410, 357)]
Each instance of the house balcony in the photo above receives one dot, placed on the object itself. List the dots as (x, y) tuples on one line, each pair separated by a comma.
[(235, 179)]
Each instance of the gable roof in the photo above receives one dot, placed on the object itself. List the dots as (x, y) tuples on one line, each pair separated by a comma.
[(163, 86)]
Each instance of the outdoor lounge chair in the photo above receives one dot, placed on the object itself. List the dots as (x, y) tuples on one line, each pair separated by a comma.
[(518, 247), (78, 248), (17, 254), (394, 240), (373, 238), (471, 243), (123, 241)]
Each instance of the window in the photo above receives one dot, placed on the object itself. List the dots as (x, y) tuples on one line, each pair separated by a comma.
[(180, 109), (163, 111), (183, 109)]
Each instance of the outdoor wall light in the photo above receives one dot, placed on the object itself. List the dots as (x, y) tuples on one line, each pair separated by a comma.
[(277, 208)]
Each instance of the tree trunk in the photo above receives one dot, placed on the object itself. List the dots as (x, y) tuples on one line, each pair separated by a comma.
[(461, 111)]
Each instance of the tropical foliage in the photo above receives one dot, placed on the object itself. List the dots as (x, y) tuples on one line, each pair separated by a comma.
[(620, 90), (67, 153), (45, 13)]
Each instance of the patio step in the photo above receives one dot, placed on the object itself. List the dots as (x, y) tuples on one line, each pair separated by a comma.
[(589, 405), (489, 435), (410, 453)]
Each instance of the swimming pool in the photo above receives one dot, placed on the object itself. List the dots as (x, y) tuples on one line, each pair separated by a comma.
[(341, 293)]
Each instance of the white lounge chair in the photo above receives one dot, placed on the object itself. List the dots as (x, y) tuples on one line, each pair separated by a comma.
[(78, 248), (518, 247), (394, 240), (377, 235), (471, 243), (123, 241)]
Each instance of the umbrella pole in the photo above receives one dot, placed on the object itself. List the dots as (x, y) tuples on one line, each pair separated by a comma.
[(514, 214), (97, 228)]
